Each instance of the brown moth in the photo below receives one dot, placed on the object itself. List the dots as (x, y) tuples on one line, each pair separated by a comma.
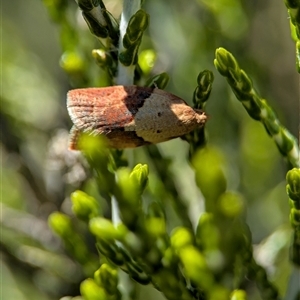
[(130, 116)]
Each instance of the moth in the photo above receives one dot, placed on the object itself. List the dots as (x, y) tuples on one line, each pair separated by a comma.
[(130, 116)]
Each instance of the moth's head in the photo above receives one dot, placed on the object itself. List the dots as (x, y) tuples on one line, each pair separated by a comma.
[(201, 116)]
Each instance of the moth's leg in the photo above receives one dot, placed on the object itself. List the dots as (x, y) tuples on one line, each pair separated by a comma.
[(73, 138)]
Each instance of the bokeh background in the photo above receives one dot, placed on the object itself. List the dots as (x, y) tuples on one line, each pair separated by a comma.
[(39, 173)]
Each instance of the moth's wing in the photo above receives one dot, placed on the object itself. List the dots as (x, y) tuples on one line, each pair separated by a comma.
[(73, 138), (98, 110), (163, 116)]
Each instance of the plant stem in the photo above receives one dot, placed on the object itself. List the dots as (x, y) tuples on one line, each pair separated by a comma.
[(126, 74)]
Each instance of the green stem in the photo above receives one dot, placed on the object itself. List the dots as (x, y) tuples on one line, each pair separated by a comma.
[(257, 107), (294, 12), (126, 73)]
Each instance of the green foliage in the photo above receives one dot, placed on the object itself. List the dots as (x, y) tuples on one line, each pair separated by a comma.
[(293, 10), (197, 218), (133, 37), (256, 107), (293, 191)]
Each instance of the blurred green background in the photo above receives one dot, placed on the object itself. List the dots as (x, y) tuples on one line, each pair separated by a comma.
[(39, 173)]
